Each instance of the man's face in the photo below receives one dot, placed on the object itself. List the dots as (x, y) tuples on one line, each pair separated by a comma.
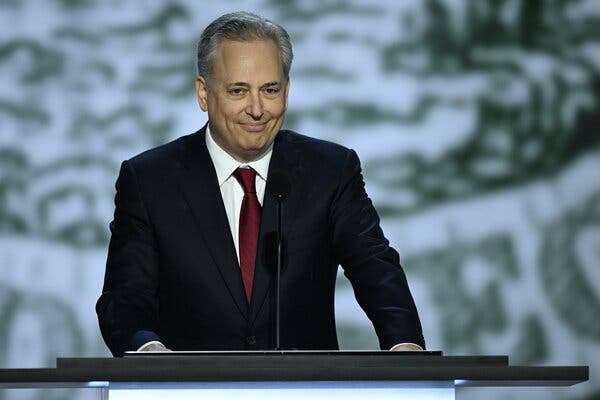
[(246, 97)]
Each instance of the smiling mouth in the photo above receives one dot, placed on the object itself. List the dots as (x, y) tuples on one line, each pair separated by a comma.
[(254, 127)]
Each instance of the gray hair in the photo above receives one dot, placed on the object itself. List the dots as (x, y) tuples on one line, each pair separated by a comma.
[(243, 27)]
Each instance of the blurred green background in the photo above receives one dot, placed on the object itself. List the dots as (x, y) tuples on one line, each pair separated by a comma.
[(477, 122)]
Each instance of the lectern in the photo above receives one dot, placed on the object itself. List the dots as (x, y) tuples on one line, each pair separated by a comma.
[(289, 375)]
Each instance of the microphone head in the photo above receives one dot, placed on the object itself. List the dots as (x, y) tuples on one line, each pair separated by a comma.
[(279, 183)]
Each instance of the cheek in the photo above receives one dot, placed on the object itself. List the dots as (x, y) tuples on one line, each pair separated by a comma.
[(227, 109), (277, 107), (231, 109)]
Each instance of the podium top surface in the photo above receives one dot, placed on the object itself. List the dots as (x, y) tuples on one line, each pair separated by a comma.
[(298, 366), (337, 353)]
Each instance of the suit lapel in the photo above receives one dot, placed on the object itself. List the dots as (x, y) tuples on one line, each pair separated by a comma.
[(200, 188), (284, 158)]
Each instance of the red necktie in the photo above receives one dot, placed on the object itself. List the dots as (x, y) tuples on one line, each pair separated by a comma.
[(249, 224)]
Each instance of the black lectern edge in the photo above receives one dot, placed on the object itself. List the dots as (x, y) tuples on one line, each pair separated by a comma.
[(461, 376)]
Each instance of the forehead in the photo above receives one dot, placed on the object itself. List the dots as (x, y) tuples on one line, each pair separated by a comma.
[(253, 61)]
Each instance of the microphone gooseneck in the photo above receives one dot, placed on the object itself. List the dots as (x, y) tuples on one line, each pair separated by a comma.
[(280, 186)]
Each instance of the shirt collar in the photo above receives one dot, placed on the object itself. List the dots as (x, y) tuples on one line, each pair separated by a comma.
[(225, 164)]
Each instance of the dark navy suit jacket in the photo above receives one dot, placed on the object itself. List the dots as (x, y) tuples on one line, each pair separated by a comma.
[(172, 272)]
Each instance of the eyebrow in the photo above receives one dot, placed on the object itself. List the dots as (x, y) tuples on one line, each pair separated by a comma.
[(245, 84)]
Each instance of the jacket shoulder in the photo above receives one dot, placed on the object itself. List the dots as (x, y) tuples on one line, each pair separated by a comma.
[(163, 156), (311, 148)]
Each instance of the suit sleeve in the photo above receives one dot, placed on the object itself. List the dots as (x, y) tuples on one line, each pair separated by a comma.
[(128, 307), (371, 265)]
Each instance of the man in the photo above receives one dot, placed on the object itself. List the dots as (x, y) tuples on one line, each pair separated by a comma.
[(190, 261)]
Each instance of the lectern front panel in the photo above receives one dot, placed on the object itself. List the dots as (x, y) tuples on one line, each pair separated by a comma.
[(315, 390)]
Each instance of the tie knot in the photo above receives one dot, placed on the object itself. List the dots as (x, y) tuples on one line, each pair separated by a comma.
[(246, 177)]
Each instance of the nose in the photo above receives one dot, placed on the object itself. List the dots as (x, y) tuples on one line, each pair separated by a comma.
[(255, 107)]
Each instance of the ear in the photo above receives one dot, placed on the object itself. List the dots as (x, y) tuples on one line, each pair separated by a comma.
[(285, 94), (202, 92)]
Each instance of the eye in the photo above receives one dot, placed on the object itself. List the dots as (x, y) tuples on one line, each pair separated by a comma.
[(272, 90), (236, 91)]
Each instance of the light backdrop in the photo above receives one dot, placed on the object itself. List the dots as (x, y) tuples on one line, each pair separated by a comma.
[(477, 123)]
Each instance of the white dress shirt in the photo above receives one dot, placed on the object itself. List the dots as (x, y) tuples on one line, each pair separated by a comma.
[(231, 190)]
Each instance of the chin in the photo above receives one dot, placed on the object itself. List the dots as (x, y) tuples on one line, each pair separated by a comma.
[(256, 145), (256, 150)]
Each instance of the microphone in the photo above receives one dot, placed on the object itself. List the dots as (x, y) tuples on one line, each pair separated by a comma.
[(280, 186)]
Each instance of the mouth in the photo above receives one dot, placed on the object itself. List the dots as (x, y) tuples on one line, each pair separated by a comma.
[(254, 127)]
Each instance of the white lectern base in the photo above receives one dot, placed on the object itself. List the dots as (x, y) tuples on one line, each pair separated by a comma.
[(314, 390)]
